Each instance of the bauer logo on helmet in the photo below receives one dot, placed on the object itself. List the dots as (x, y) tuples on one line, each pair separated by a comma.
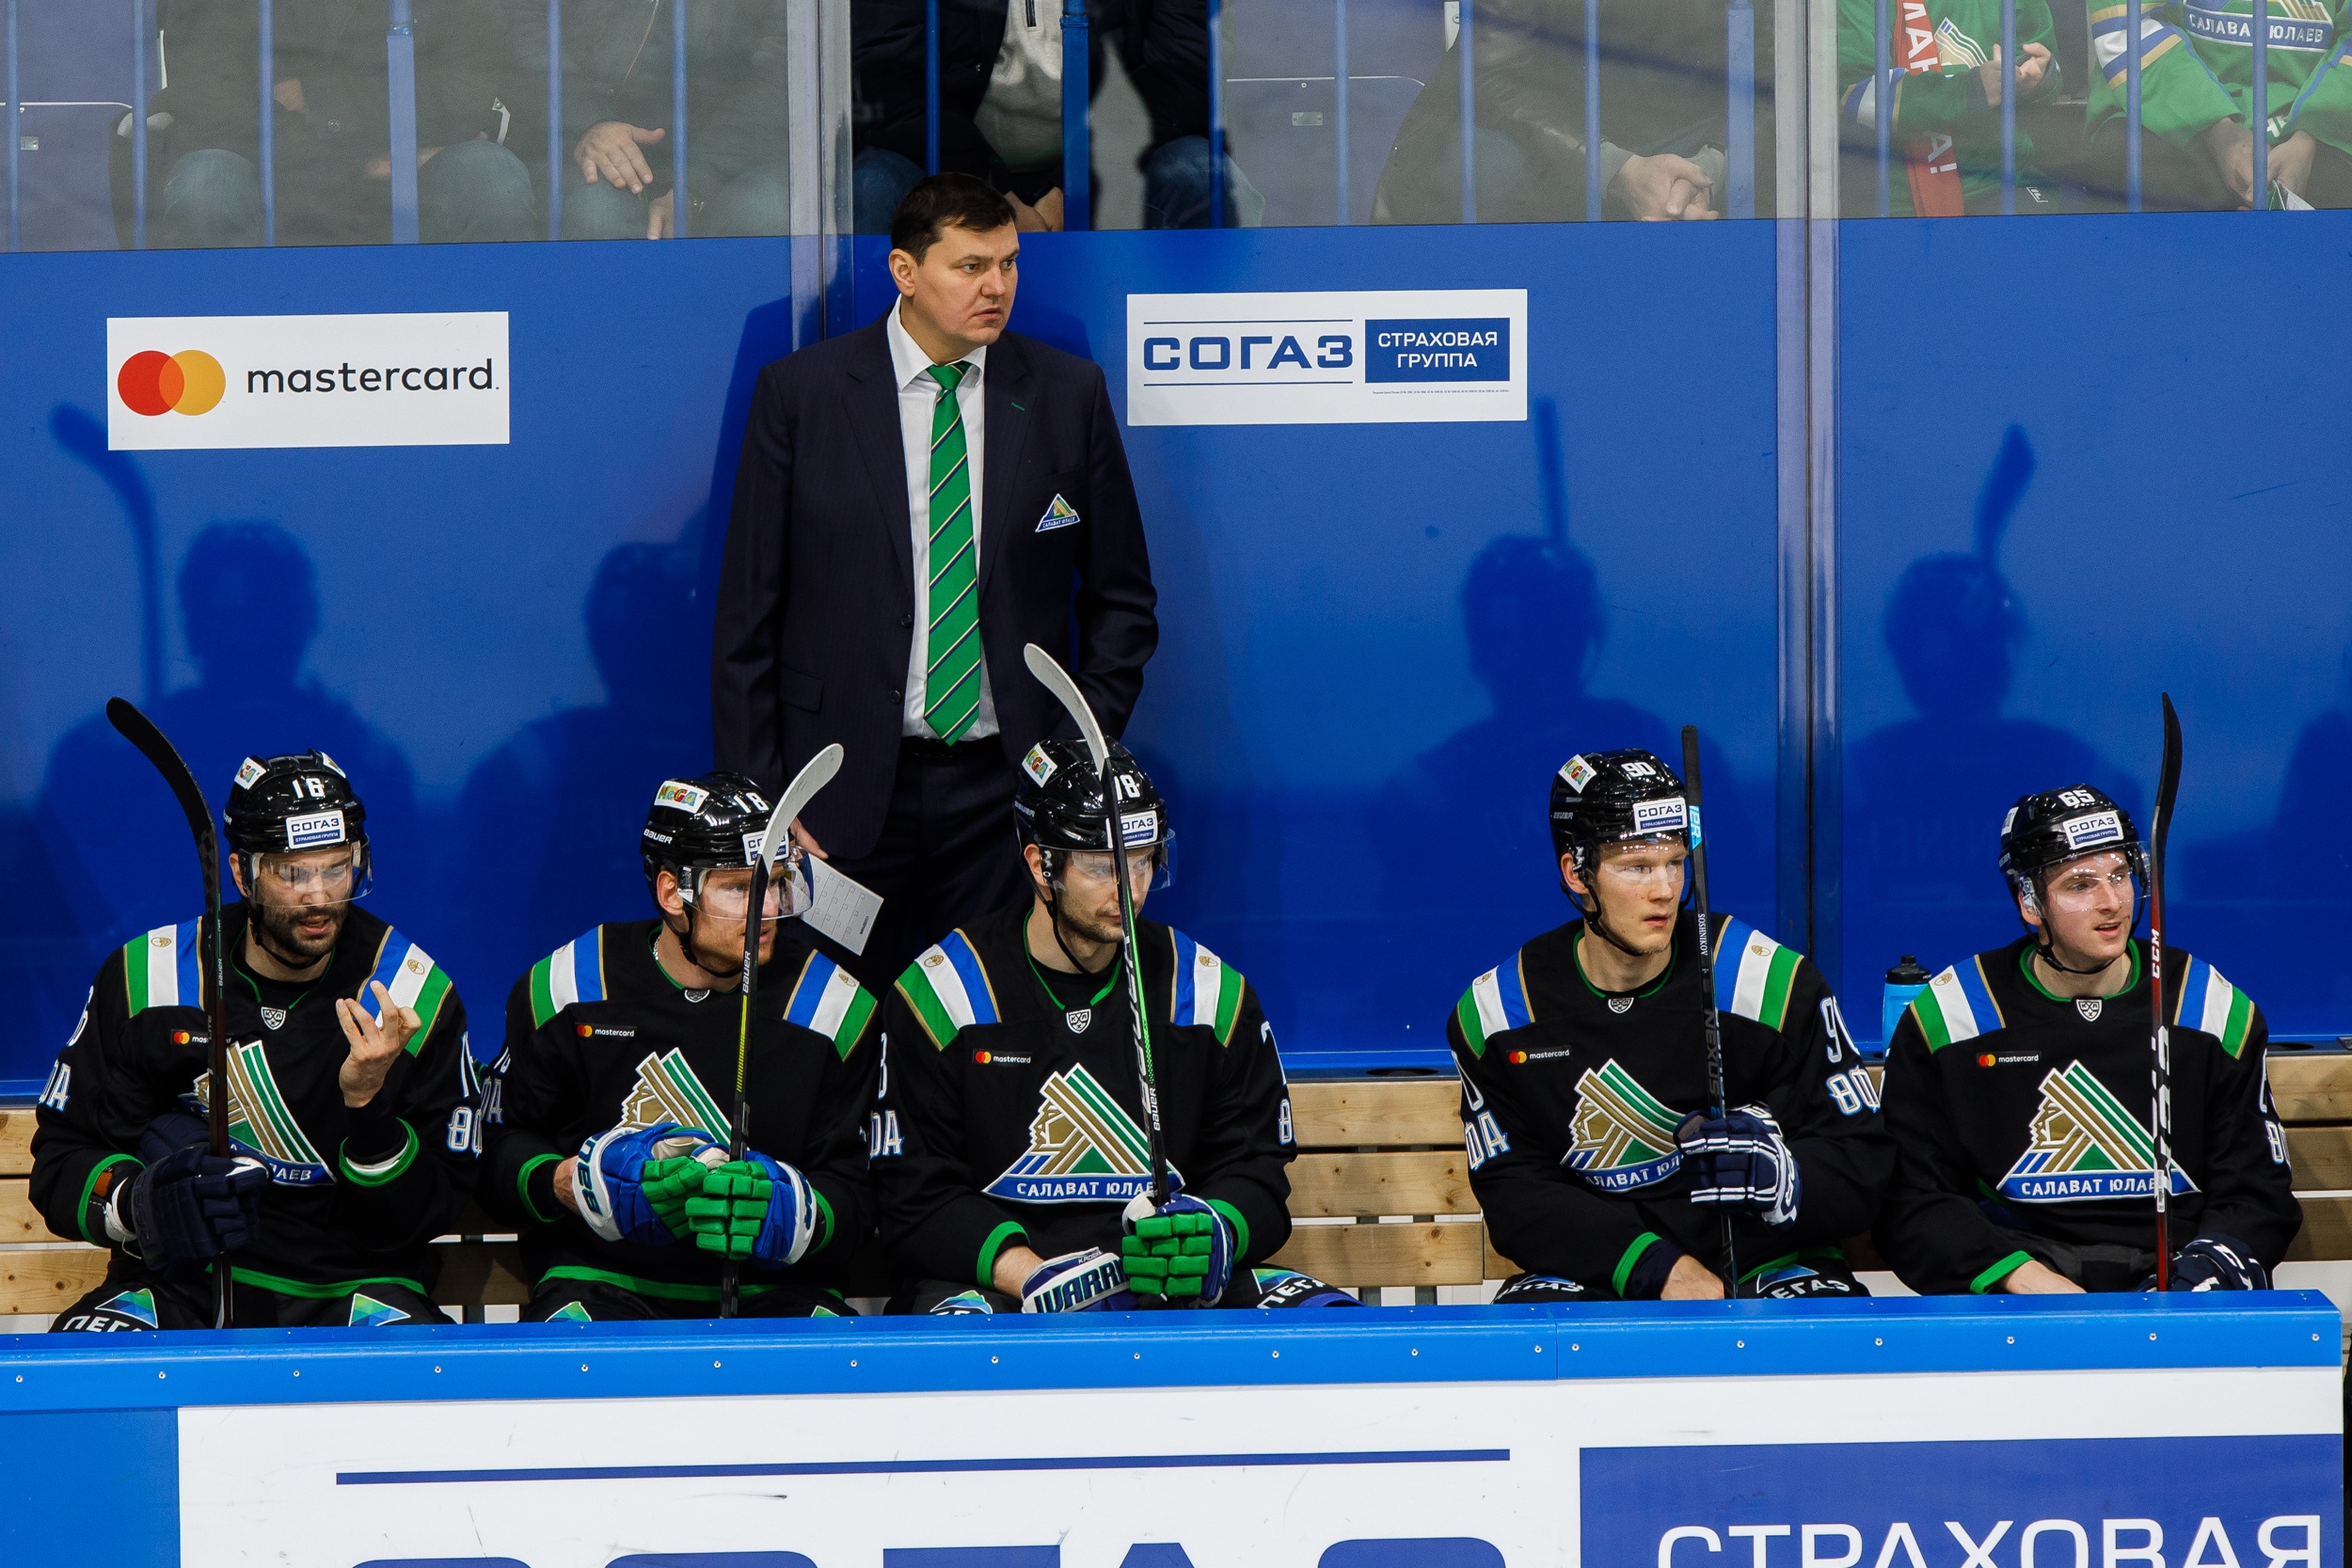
[(317, 831)]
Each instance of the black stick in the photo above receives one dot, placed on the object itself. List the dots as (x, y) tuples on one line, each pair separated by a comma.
[(140, 731), (2160, 1033), (1717, 1096)]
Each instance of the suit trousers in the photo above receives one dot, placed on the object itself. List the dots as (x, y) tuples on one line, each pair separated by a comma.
[(948, 855)]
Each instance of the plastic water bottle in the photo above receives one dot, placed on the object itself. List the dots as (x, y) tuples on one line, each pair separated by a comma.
[(1905, 981)]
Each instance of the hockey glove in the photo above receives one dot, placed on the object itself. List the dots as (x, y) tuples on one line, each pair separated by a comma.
[(755, 1207), (1180, 1253), (2214, 1264), (191, 1206), (1739, 1160), (631, 1185), (1088, 1281)]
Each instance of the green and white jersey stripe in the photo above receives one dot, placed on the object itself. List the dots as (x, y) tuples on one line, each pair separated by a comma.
[(1496, 1002), (1760, 982), (934, 988), (2210, 1003), (555, 980), (162, 969), (1951, 1011), (842, 1008)]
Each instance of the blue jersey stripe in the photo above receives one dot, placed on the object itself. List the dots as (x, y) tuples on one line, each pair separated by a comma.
[(1729, 949), (1514, 996), (2193, 982), (388, 958), (1188, 958), (191, 963), (810, 992), (1971, 977), (588, 965), (975, 978)]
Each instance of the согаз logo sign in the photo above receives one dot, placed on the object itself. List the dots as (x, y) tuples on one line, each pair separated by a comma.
[(188, 382)]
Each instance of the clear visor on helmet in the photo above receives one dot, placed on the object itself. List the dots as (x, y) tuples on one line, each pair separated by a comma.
[(1151, 868), (724, 893), (1639, 864), (314, 877), (2092, 882)]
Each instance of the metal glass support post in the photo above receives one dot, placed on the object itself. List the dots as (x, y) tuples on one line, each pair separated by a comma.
[(557, 168), (16, 134), (1739, 106), (1470, 110), (1592, 111), (2261, 115), (2131, 105), (1882, 106), (400, 81), (931, 87), (2008, 107), (1339, 109), (1077, 149), (1217, 114), (679, 206), (138, 124), (267, 67)]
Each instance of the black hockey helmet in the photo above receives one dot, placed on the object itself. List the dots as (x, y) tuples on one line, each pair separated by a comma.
[(1612, 798), (2055, 826), (1057, 806), (713, 823), (286, 805)]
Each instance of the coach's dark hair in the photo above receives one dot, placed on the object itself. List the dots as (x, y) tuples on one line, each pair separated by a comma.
[(945, 201)]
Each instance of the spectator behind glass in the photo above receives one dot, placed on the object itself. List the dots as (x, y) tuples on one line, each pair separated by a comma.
[(331, 122), (1661, 116), (2196, 98), (1000, 104), (1943, 150), (617, 103)]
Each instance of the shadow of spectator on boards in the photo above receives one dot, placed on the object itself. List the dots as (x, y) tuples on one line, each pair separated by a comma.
[(547, 824), (1926, 795), (250, 610)]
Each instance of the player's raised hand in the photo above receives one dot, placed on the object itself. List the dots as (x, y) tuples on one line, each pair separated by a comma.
[(376, 1042)]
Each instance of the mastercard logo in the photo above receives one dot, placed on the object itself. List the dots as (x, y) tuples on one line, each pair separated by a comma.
[(188, 382), (982, 1057), (1984, 1061), (179, 1036), (1517, 1056), (582, 1030)]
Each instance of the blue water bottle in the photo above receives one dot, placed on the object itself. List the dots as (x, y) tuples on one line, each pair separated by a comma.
[(1905, 981)]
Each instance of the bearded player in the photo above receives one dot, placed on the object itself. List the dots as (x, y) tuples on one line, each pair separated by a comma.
[(1583, 1056), (2018, 1088), (353, 1102)]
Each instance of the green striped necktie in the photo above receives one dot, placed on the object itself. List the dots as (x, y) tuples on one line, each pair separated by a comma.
[(951, 683)]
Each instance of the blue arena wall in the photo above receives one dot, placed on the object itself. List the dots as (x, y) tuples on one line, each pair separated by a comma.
[(1379, 641)]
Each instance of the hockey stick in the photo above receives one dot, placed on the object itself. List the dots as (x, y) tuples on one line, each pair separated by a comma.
[(2160, 1034), (140, 731), (1056, 680), (803, 789), (1717, 1096)]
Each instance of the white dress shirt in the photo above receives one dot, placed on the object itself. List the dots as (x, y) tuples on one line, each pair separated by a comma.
[(919, 394)]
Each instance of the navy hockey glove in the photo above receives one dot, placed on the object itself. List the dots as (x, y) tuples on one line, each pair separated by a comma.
[(2214, 1264), (1180, 1253), (631, 1187), (1739, 1160), (191, 1206), (755, 1207), (1088, 1281)]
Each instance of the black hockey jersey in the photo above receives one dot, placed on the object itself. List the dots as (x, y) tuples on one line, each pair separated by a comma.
[(1010, 1116), (598, 1035), (2016, 1109), (355, 1196), (1571, 1097)]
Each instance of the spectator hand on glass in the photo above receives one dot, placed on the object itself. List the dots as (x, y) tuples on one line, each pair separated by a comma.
[(1665, 188), (609, 149), (2231, 146), (2290, 161), (1045, 217), (2033, 63)]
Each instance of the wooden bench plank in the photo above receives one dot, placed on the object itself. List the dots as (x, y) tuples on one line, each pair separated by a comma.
[(2312, 1085), (16, 1140), (1384, 1113), (2326, 1231), (2322, 1157), (20, 1222), (482, 1274), (49, 1280), (1368, 1255), (1345, 1185)]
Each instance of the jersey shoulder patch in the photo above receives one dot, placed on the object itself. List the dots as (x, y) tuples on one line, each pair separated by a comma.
[(949, 988), (2211, 1004), (573, 973), (1496, 1002), (1957, 1005), (164, 968), (1753, 973), (829, 1001), (1206, 990), (413, 978)]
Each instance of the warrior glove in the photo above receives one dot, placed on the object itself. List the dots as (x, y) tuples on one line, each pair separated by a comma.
[(1088, 1281)]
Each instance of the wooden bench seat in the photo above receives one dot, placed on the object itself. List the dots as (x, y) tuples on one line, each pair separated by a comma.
[(1380, 1193)]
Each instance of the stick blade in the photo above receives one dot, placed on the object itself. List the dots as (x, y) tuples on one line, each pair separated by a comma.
[(812, 778), (153, 744), (1056, 680), (2168, 779), (1691, 763)]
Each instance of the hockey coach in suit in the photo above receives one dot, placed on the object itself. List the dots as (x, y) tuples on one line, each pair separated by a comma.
[(917, 501)]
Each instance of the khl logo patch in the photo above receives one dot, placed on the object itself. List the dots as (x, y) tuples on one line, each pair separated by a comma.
[(1078, 1017), (273, 1017), (2089, 1006)]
